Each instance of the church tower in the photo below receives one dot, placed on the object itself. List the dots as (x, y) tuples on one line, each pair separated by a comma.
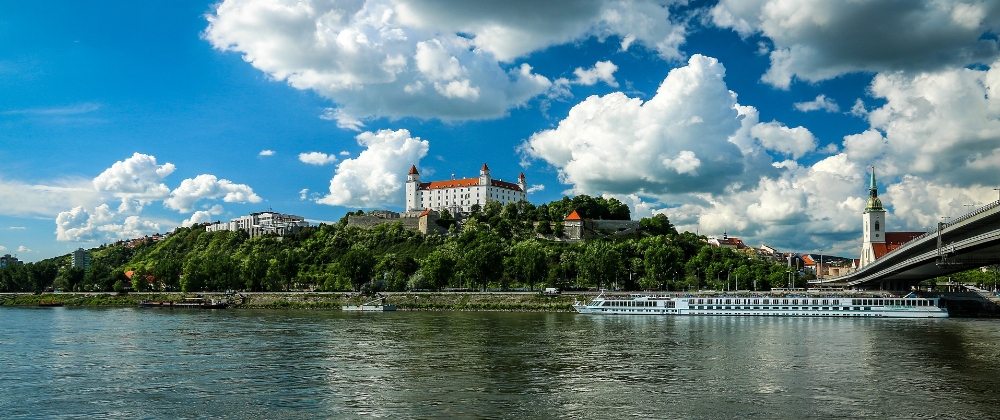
[(874, 223), (412, 190)]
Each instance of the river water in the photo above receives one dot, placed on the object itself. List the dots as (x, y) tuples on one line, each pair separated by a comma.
[(161, 363)]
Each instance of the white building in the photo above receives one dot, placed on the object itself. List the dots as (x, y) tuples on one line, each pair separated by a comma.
[(267, 222), (459, 195), (876, 242)]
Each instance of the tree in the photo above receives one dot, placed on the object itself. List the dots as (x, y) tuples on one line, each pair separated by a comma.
[(658, 225), (601, 263), (438, 269), (358, 266), (529, 262)]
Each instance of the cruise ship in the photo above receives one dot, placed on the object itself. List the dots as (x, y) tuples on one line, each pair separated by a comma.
[(805, 306)]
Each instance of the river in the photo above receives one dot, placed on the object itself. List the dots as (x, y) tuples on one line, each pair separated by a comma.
[(161, 363)]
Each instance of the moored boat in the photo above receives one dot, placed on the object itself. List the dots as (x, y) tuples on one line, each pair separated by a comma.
[(187, 303), (45, 304), (806, 306), (370, 306)]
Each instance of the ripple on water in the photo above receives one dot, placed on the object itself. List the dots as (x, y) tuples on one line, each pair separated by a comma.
[(102, 363)]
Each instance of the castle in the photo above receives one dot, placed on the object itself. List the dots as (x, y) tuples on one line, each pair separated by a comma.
[(459, 195)]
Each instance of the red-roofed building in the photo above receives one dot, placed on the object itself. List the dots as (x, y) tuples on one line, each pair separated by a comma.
[(459, 195)]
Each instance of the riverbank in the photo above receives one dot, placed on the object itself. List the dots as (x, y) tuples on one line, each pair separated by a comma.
[(959, 304), (520, 302)]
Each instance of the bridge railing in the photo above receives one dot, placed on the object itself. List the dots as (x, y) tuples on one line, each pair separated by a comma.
[(946, 225), (932, 232)]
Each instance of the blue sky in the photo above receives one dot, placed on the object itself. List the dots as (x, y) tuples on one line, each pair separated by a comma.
[(755, 118)]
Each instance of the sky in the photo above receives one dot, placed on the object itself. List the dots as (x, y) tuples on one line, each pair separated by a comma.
[(760, 119)]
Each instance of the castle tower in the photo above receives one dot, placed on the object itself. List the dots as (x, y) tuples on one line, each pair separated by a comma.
[(874, 224), (522, 184), (412, 193), (484, 176)]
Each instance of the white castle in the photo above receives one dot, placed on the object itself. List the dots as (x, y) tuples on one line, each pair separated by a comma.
[(459, 195)]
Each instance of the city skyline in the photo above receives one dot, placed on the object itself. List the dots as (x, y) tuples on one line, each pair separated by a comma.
[(759, 119)]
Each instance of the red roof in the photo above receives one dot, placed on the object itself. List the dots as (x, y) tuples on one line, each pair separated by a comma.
[(485, 168), (521, 176), (413, 170), (466, 182), (574, 216), (426, 212)]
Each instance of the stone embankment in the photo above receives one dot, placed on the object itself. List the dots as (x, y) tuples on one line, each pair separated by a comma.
[(404, 301)]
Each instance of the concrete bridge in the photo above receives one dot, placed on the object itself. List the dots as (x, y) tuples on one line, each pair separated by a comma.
[(970, 241)]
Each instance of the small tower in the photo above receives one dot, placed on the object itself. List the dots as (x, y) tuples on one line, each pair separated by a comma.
[(522, 184), (484, 176), (874, 223), (412, 190)]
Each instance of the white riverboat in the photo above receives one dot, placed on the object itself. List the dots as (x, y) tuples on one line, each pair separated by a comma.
[(805, 306)]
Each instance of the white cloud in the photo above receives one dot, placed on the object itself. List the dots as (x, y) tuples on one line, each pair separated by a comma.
[(206, 186), (266, 153), (943, 125), (603, 71), (377, 175), (303, 193), (23, 248), (790, 141), (17, 228), (2, 248), (317, 158), (535, 188), (202, 216), (18, 198), (345, 153), (820, 103), (427, 59), (817, 40), (137, 177), (684, 139)]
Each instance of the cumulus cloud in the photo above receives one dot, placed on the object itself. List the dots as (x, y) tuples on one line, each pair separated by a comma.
[(449, 60), (681, 140), (821, 103), (79, 225), (317, 158), (23, 248), (202, 216), (790, 141), (2, 248), (942, 125), (136, 182), (138, 177), (266, 153), (603, 71), (817, 40), (376, 176), (207, 186), (303, 193)]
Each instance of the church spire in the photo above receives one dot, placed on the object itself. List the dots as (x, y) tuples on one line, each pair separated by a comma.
[(874, 203)]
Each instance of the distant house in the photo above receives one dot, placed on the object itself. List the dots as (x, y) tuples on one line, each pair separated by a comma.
[(727, 242), (578, 228)]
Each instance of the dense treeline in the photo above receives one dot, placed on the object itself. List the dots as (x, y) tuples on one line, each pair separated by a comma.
[(499, 247)]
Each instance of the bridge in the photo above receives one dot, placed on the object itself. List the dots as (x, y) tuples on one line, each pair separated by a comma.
[(968, 242)]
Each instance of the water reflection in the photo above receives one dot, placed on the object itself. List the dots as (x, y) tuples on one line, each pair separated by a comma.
[(66, 362)]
